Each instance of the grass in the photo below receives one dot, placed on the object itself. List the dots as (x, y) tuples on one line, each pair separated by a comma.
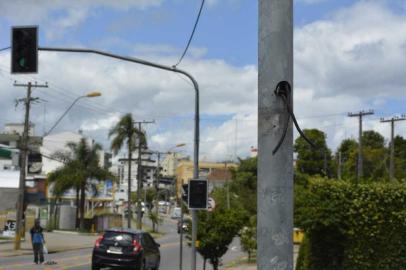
[(243, 260)]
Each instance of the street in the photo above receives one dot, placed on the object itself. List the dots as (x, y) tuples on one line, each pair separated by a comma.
[(81, 259)]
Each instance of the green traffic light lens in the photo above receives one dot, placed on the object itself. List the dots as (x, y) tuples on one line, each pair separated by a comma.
[(22, 62)]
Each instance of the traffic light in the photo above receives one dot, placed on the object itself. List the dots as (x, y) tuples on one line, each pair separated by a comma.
[(24, 49), (185, 192), (198, 194)]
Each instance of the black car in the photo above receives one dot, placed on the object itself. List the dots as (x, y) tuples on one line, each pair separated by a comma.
[(132, 249)]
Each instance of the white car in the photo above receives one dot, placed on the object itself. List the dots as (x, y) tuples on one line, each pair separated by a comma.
[(176, 213)]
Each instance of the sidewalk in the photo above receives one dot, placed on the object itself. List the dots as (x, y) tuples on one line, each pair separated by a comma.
[(55, 242), (253, 266)]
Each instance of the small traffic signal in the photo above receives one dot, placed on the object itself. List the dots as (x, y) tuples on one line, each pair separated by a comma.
[(24, 49), (185, 192), (198, 194)]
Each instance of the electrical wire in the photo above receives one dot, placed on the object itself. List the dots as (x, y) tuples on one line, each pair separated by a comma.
[(5, 48), (191, 36)]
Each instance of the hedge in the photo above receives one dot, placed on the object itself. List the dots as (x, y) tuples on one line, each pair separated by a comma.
[(351, 227)]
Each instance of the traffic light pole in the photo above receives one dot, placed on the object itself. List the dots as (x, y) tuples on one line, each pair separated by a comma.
[(23, 163), (196, 124)]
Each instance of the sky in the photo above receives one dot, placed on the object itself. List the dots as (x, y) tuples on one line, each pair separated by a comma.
[(348, 56)]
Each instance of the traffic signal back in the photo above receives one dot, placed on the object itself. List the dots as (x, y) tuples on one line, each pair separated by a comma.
[(24, 49), (198, 194)]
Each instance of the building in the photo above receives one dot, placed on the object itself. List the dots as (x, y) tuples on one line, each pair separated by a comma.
[(102, 191), (184, 171), (218, 177), (148, 169), (169, 164), (9, 166)]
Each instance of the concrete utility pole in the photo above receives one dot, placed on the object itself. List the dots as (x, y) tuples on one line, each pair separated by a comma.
[(392, 143), (139, 220), (360, 161), (23, 161), (275, 172)]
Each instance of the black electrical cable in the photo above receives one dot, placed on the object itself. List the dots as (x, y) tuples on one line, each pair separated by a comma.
[(283, 90), (6, 48), (191, 36)]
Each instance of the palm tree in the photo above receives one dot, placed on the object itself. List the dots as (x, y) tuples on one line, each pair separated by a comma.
[(125, 132), (81, 164)]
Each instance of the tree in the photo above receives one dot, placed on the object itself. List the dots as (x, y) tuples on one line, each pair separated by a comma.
[(81, 164), (243, 187), (375, 157), (125, 132), (400, 158), (310, 160), (216, 231), (249, 237)]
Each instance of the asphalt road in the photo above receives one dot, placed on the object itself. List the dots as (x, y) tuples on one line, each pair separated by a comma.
[(80, 259)]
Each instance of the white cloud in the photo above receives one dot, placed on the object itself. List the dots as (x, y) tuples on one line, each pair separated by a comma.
[(56, 16), (348, 62)]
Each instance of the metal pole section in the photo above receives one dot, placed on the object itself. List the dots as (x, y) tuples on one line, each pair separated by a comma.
[(195, 176), (275, 173), (197, 120), (392, 144), (360, 158)]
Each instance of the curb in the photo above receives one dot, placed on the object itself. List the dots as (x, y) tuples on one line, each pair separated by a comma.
[(74, 233), (51, 251)]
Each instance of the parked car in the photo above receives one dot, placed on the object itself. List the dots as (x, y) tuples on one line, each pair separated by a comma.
[(132, 249), (185, 225)]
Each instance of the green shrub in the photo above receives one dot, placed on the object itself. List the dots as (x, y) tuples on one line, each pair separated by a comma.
[(352, 227)]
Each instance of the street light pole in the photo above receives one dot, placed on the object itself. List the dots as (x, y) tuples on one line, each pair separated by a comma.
[(196, 124), (90, 95)]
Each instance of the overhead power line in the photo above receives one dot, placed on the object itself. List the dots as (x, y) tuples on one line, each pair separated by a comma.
[(191, 36)]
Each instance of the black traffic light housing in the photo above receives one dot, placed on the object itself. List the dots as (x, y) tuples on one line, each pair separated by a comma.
[(24, 49), (185, 192), (198, 194)]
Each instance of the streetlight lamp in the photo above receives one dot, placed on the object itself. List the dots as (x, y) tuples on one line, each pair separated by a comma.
[(89, 95)]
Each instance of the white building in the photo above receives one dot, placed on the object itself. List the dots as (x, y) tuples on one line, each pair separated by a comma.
[(169, 164), (148, 167)]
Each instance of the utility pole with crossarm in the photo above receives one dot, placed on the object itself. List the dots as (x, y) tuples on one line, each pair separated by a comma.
[(23, 161), (392, 143), (360, 157)]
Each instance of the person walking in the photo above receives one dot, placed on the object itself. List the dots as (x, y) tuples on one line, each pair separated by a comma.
[(37, 239)]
